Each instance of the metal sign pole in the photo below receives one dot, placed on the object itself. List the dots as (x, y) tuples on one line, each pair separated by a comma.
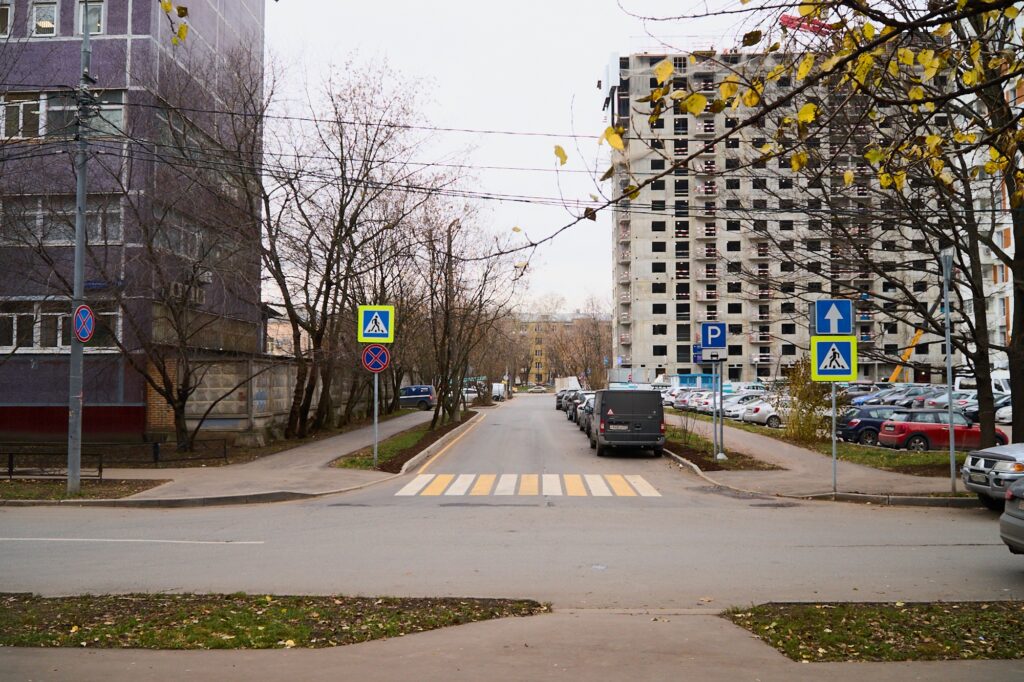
[(835, 487), (947, 272), (714, 417), (375, 375), (721, 408)]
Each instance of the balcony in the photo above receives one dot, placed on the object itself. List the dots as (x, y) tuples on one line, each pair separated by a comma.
[(707, 296), (705, 129), (624, 278), (625, 318), (624, 235), (708, 275), (627, 360), (707, 168), (707, 316), (764, 294), (682, 233), (759, 337), (761, 317), (682, 317), (706, 85), (626, 298), (623, 255), (763, 272), (625, 339), (761, 359), (710, 253), (708, 189), (761, 253), (683, 296), (707, 150), (707, 234), (866, 339)]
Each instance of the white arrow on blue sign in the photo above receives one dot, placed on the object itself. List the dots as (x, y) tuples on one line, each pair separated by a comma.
[(712, 335), (833, 317)]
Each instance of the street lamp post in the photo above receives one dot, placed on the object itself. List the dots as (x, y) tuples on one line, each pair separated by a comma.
[(947, 275)]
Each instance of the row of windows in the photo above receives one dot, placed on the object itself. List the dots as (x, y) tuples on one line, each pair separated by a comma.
[(34, 114), (35, 325), (35, 220), (44, 18)]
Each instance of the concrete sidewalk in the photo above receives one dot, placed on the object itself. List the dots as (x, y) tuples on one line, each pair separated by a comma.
[(805, 472), (303, 469), (565, 645)]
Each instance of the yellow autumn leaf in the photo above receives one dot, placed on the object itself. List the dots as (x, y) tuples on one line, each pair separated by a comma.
[(798, 161), (517, 229), (848, 177), (933, 142), (663, 70), (962, 137), (885, 180), (874, 155), (751, 97), (74, 629), (831, 62), (613, 138), (869, 30), (807, 113), (165, 5), (970, 78), (906, 56), (806, 64), (916, 92), (696, 103), (560, 153), (809, 9), (776, 73), (182, 31), (730, 86), (936, 165), (899, 179), (943, 30), (894, 68), (1009, 13), (946, 177)]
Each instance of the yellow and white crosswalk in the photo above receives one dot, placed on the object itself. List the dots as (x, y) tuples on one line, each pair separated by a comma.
[(526, 485)]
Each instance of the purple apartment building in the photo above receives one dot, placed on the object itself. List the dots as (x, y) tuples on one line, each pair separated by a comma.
[(172, 264)]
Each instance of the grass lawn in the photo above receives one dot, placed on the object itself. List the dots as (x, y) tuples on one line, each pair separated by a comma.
[(929, 463), (387, 449), (699, 450), (236, 621), (889, 632), (57, 489)]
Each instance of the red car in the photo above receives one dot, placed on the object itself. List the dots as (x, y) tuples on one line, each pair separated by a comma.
[(929, 430)]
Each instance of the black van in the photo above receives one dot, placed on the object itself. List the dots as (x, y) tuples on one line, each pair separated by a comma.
[(628, 419)]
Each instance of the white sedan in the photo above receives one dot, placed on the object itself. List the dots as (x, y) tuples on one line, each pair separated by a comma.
[(1004, 415)]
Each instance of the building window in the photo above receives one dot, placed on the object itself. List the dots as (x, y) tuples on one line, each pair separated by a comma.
[(5, 17), (44, 18), (732, 183), (91, 15), (658, 226), (21, 115), (921, 349), (658, 288), (732, 246), (682, 354), (788, 307), (786, 225), (788, 349), (734, 288), (659, 308), (61, 110), (789, 328), (50, 221), (658, 247), (658, 205), (659, 351), (658, 267), (659, 329), (760, 183), (657, 164), (657, 185), (732, 143), (735, 308)]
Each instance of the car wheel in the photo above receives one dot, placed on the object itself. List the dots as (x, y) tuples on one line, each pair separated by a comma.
[(868, 437), (1000, 440), (658, 452), (601, 450), (991, 502), (917, 443), (423, 405), (774, 422), (593, 444)]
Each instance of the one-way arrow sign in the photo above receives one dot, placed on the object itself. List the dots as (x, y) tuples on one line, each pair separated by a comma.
[(833, 317)]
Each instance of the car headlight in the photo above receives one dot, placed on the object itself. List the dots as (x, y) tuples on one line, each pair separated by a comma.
[(1009, 467)]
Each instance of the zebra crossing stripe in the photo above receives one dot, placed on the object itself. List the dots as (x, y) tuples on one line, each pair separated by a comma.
[(506, 485), (438, 485), (574, 486), (417, 484), (528, 484), (597, 486), (551, 485), (619, 485), (461, 485), (642, 486), (483, 485)]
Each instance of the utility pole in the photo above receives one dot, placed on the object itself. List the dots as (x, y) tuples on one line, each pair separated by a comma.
[(86, 106)]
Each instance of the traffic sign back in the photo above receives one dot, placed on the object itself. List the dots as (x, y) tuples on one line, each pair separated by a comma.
[(833, 316), (376, 324), (834, 358)]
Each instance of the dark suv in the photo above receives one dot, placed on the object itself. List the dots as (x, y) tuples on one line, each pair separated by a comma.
[(423, 397), (631, 419)]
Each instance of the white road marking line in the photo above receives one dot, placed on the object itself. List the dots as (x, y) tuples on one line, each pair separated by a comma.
[(506, 485), (138, 540), (551, 484), (598, 488), (461, 485), (417, 484), (642, 486)]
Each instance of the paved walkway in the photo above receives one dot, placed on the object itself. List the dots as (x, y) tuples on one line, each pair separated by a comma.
[(806, 472), (302, 469), (565, 645)]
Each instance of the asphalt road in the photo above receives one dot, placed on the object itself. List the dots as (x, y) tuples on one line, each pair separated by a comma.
[(655, 536)]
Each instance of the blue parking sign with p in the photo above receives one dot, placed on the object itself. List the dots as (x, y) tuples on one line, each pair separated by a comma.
[(712, 335)]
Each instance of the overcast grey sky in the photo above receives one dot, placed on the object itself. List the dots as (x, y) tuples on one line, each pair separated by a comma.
[(528, 66)]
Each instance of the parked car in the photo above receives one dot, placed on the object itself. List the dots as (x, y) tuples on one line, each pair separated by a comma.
[(765, 413), (960, 399), (423, 397), (862, 424), (1011, 523), (1004, 415), (628, 419), (906, 398), (918, 401), (668, 396), (558, 397), (875, 398), (537, 389), (970, 410), (572, 414), (733, 407), (584, 411), (929, 429), (568, 397), (990, 472)]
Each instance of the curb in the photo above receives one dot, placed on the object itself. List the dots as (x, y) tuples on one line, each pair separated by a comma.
[(437, 445), (249, 498), (887, 500)]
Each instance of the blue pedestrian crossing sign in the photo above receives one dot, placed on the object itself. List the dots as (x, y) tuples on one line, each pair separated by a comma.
[(376, 324), (712, 335), (834, 358), (833, 316)]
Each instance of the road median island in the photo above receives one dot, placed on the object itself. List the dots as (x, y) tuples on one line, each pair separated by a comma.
[(394, 452), (698, 450), (235, 621), (56, 489), (888, 632)]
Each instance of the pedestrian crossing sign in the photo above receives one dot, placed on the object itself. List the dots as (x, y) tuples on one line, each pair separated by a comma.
[(376, 324), (834, 358)]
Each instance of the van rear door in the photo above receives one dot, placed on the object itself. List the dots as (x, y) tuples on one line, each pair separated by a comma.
[(632, 416)]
